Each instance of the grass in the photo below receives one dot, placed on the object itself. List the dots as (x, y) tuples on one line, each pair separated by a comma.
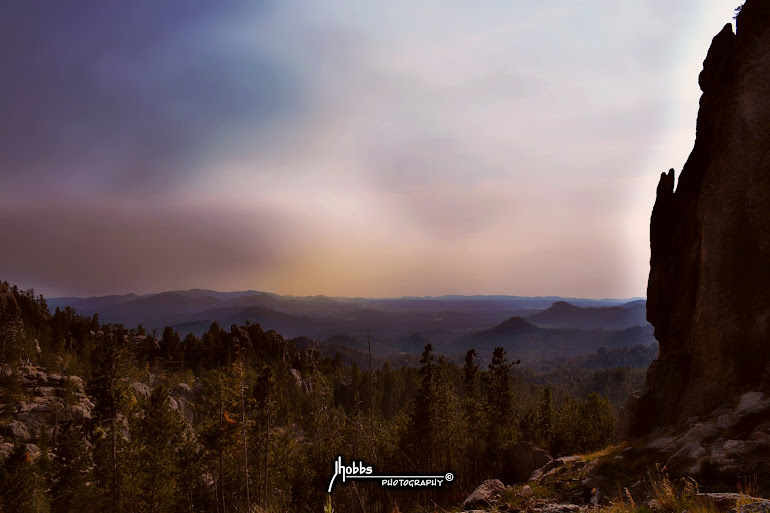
[(747, 493), (671, 496), (591, 456)]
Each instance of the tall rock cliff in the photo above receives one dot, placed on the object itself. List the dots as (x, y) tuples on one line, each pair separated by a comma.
[(708, 295)]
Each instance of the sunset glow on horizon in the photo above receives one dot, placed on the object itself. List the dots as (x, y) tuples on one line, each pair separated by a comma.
[(298, 147)]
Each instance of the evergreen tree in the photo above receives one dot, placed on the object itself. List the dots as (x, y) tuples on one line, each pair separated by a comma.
[(472, 419), (23, 489), (598, 422), (112, 406), (545, 422), (70, 468), (500, 422), (219, 433), (159, 436), (421, 442)]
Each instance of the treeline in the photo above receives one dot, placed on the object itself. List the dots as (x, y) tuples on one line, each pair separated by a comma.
[(269, 420)]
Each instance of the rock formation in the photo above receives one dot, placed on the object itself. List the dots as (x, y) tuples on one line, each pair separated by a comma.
[(43, 401), (708, 295)]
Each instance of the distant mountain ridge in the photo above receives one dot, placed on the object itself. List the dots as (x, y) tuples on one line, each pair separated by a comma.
[(397, 324), (566, 315), (526, 341)]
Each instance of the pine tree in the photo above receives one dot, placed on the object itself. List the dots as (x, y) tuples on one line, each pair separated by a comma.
[(421, 442), (598, 422), (158, 435), (70, 467), (112, 407), (219, 432), (263, 394), (23, 489), (472, 419), (500, 422)]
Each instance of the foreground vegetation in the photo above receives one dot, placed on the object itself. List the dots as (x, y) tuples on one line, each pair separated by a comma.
[(270, 419)]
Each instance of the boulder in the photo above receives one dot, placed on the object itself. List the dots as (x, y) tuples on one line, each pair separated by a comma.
[(697, 434), (17, 431), (760, 506), (485, 494), (686, 456), (723, 501), (522, 460), (742, 448), (185, 391), (663, 444)]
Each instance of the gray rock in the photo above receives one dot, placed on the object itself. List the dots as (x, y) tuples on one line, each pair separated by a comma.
[(697, 434), (741, 448), (686, 455), (522, 460), (722, 501), (663, 444), (47, 407), (485, 494), (5, 450), (185, 391), (760, 436), (560, 508), (141, 391), (18, 431), (760, 506), (77, 412), (752, 403)]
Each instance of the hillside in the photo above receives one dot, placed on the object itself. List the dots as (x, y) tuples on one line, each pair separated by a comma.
[(565, 315), (523, 340)]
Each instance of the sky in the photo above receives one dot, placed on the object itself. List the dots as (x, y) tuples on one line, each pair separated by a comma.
[(342, 148)]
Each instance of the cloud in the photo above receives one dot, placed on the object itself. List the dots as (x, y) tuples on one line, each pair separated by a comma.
[(435, 144), (98, 248), (128, 97)]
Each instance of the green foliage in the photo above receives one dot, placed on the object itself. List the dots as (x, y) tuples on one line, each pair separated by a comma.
[(70, 468), (159, 436), (23, 489), (501, 426)]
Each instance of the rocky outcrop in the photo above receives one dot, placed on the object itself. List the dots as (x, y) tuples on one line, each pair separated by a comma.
[(45, 401), (708, 294), (734, 440), (521, 460)]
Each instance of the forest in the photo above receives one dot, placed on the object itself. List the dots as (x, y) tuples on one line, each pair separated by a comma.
[(270, 418)]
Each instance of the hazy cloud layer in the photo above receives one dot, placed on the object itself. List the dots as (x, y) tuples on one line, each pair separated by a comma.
[(327, 147), (113, 248)]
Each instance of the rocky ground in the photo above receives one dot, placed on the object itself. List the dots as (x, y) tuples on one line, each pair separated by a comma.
[(716, 463)]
